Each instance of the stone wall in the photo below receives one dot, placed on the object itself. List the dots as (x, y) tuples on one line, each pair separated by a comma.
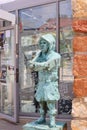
[(79, 104)]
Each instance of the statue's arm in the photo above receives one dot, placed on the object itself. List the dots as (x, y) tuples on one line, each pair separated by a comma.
[(54, 62), (48, 65), (37, 66), (30, 63)]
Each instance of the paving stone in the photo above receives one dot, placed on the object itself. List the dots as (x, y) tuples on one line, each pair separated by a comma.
[(79, 124), (80, 87), (79, 107), (80, 65), (79, 8), (80, 44)]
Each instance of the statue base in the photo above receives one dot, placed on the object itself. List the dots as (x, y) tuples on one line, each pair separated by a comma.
[(34, 126)]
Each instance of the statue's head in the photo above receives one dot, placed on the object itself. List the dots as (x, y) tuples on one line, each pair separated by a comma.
[(47, 43)]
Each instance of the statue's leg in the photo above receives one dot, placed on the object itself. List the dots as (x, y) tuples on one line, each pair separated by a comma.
[(52, 113), (42, 119)]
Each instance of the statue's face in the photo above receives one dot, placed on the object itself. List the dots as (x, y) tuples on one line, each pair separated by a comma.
[(44, 45)]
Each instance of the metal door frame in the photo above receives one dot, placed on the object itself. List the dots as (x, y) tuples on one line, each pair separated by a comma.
[(13, 118)]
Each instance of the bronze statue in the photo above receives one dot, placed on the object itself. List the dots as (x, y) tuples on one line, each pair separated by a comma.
[(47, 62)]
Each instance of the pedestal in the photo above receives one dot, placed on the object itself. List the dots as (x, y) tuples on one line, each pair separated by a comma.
[(33, 126)]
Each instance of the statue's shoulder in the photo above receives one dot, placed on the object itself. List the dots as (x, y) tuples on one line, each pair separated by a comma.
[(55, 55), (38, 53)]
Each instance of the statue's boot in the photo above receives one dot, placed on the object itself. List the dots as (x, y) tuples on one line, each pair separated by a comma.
[(52, 121), (41, 120), (52, 112)]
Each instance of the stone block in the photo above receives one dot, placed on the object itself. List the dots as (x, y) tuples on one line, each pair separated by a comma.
[(80, 65), (80, 44), (33, 126), (80, 87), (79, 25), (79, 124), (79, 107), (79, 8)]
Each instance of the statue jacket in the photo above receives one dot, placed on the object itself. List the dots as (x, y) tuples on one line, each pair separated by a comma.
[(47, 87)]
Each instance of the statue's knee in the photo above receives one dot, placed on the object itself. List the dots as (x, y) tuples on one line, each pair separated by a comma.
[(52, 112)]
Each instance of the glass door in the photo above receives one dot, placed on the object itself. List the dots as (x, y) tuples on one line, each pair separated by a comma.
[(8, 96), (34, 22), (66, 51)]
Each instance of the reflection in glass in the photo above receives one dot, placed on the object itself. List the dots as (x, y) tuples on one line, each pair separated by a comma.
[(7, 73), (66, 76), (33, 23), (66, 35)]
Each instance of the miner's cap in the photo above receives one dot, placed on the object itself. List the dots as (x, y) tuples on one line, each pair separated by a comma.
[(48, 37)]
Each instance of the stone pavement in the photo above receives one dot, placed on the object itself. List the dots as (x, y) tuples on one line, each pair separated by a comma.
[(6, 125)]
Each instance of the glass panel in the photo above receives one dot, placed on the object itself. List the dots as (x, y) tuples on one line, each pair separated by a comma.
[(33, 23), (7, 72), (66, 76)]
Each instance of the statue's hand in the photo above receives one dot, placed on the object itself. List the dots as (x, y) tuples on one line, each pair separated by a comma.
[(30, 64), (41, 66), (37, 66)]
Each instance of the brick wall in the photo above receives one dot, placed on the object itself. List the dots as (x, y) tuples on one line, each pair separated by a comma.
[(79, 104)]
